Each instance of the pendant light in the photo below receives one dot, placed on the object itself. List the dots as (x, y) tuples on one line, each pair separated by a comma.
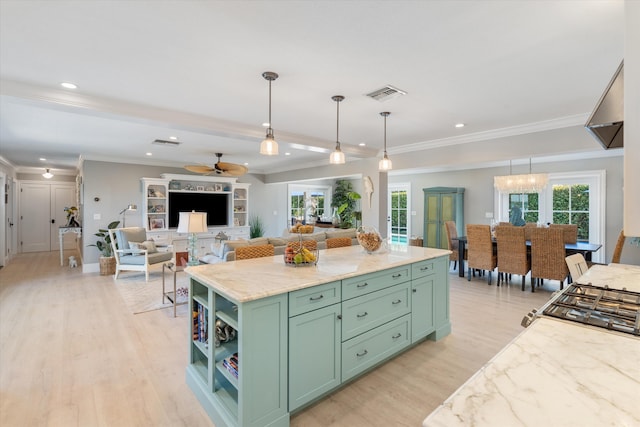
[(47, 174), (385, 164), (518, 184), (269, 146), (337, 157)]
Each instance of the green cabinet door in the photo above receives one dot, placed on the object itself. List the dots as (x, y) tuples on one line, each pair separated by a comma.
[(314, 354), (442, 204), (422, 323)]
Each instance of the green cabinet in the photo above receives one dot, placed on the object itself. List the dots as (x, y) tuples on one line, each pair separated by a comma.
[(442, 204)]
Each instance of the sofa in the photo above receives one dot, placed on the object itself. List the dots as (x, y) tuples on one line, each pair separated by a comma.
[(225, 250)]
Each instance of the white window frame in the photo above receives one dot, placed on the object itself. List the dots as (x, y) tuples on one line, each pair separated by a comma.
[(597, 181), (307, 188)]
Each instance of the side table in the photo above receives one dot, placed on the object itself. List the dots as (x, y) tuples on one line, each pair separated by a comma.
[(171, 295)]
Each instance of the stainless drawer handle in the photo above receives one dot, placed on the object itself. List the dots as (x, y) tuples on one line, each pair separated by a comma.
[(395, 276), (319, 297), (362, 315), (424, 268), (398, 301), (364, 353), (396, 336), (362, 285)]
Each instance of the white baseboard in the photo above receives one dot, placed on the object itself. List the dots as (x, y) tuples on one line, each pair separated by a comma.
[(91, 268)]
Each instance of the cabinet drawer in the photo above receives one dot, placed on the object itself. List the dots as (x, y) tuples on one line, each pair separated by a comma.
[(372, 310), (360, 353), (313, 298), (368, 283), (423, 268)]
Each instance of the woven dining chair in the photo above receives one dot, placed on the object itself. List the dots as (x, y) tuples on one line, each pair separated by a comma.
[(338, 242), (527, 229), (570, 231), (480, 251), (547, 256), (453, 245), (617, 252), (312, 245), (512, 253), (254, 251)]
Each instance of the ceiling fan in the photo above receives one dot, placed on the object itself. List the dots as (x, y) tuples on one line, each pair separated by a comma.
[(220, 168)]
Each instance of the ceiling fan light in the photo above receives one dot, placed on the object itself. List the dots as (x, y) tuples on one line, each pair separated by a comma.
[(337, 157), (47, 174)]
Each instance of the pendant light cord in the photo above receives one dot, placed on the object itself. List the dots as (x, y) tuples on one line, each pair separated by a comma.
[(385, 135), (337, 123)]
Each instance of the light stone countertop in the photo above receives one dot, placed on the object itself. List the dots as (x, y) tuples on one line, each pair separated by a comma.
[(615, 276), (555, 373), (257, 278)]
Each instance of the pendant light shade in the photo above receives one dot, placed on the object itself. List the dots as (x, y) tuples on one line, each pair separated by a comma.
[(269, 146), (385, 163), (47, 174), (527, 183), (337, 157)]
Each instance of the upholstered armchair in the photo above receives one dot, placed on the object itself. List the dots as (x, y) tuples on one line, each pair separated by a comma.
[(134, 252)]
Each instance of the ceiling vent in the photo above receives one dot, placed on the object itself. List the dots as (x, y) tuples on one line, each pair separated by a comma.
[(166, 143), (386, 93)]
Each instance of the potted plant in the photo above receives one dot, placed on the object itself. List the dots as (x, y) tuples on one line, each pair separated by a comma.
[(107, 260), (345, 201), (256, 227)]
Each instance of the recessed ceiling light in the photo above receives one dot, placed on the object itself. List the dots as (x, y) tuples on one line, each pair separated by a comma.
[(42, 159), (149, 154), (459, 125), (287, 154), (173, 137), (68, 85), (246, 163), (362, 144)]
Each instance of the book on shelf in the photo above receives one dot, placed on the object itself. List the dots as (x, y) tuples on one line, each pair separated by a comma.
[(231, 363), (200, 323)]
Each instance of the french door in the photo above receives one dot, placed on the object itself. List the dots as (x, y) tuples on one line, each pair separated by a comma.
[(399, 208)]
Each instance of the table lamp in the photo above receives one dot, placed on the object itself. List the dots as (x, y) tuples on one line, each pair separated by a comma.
[(192, 222)]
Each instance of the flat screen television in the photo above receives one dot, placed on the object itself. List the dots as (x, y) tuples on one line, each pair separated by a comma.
[(216, 205)]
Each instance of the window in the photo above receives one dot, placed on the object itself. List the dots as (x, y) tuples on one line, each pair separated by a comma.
[(398, 208), (307, 203), (570, 198)]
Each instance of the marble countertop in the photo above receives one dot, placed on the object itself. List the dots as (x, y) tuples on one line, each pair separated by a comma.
[(257, 278), (615, 276), (554, 373)]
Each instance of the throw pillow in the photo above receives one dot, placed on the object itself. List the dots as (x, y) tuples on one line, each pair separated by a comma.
[(136, 247), (349, 232), (259, 241), (150, 246), (231, 245)]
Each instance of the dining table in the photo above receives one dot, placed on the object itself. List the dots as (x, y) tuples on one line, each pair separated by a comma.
[(585, 248)]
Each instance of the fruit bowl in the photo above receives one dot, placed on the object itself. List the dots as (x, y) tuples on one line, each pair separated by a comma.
[(302, 257), (369, 239)]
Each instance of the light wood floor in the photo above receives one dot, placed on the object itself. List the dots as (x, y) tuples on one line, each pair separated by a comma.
[(72, 355)]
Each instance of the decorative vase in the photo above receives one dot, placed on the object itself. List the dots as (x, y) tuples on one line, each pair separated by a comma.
[(369, 238), (335, 218)]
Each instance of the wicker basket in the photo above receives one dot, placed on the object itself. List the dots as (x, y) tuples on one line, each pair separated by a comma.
[(107, 266)]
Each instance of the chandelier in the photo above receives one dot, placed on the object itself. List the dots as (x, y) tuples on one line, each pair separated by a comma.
[(527, 183)]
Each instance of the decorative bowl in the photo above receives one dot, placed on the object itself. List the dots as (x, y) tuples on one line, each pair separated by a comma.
[(369, 238)]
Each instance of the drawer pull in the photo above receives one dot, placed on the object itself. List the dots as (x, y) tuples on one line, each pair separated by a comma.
[(362, 285), (364, 353), (318, 298), (398, 301), (362, 315), (395, 276), (424, 268), (415, 290), (396, 336), (339, 316)]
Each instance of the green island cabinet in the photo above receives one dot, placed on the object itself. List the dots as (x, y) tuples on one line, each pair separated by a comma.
[(296, 347)]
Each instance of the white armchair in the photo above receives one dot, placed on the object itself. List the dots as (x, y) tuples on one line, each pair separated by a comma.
[(134, 252)]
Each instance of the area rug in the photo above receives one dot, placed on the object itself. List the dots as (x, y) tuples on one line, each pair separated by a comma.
[(140, 296)]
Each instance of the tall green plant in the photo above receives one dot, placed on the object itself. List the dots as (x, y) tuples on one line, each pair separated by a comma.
[(256, 227), (104, 240), (346, 202)]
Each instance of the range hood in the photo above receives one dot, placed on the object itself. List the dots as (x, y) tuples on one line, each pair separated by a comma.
[(607, 120)]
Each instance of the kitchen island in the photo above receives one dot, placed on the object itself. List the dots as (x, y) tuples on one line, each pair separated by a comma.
[(556, 373), (300, 333)]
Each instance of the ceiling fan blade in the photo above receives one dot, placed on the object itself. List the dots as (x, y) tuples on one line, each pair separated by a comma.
[(199, 168), (230, 169)]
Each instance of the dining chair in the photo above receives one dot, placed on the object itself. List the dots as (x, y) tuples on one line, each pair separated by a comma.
[(512, 253), (453, 245), (547, 256), (617, 252), (338, 242), (480, 251), (577, 266), (312, 245), (527, 229), (254, 251), (570, 231)]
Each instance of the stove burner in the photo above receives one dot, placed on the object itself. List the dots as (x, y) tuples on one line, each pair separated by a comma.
[(602, 307)]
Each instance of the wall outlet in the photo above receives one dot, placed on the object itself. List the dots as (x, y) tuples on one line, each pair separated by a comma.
[(488, 214), (97, 217)]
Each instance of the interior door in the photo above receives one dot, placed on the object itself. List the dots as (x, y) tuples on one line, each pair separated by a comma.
[(35, 207)]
